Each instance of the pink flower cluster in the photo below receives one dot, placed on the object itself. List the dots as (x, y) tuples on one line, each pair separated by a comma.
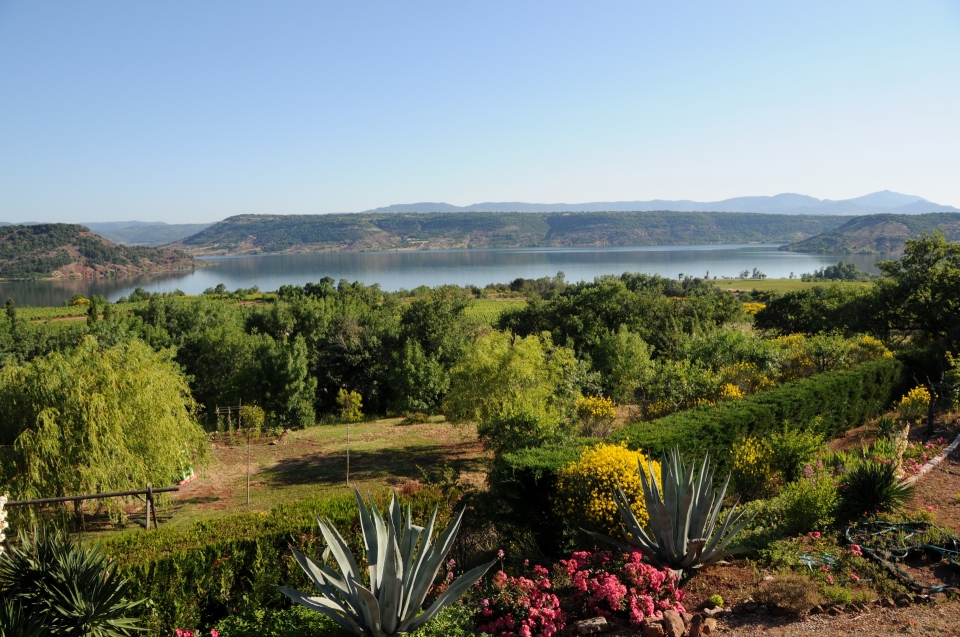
[(189, 632), (814, 535), (519, 606), (856, 550), (626, 585)]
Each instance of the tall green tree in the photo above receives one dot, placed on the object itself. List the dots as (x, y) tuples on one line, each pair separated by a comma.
[(96, 420), (519, 390), (921, 291)]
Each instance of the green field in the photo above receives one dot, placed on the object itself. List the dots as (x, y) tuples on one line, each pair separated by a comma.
[(312, 462), (778, 286)]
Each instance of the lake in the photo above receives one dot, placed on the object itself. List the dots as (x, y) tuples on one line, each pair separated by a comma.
[(398, 270)]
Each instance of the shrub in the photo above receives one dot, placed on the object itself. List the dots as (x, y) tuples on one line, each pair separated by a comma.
[(596, 415), (807, 504), (842, 400), (524, 483), (790, 592), (585, 487), (752, 473), (622, 586), (872, 486), (715, 601), (792, 449), (512, 605), (913, 406)]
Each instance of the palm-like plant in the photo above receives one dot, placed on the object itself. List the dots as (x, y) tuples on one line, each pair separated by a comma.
[(403, 562), (684, 513), (69, 585), (873, 486)]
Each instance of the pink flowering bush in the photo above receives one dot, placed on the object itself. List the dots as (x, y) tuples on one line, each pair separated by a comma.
[(623, 586), (524, 606)]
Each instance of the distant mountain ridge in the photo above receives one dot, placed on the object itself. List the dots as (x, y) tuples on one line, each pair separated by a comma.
[(67, 251), (878, 234), (137, 233), (260, 234), (786, 203)]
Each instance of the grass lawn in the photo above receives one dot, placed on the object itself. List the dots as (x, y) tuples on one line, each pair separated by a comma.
[(311, 462), (777, 285)]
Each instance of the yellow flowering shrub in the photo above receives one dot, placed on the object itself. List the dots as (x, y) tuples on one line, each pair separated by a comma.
[(585, 488), (596, 414), (729, 391), (752, 308), (746, 377), (752, 472), (867, 348), (914, 405)]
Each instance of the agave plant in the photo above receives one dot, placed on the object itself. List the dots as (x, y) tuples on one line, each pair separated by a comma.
[(683, 529), (403, 561)]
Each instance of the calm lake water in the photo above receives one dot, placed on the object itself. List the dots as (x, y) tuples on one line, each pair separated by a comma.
[(398, 270)]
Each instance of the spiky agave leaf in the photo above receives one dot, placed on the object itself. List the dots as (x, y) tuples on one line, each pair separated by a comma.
[(683, 511), (403, 562)]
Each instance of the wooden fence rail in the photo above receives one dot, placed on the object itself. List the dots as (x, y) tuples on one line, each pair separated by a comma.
[(76, 499)]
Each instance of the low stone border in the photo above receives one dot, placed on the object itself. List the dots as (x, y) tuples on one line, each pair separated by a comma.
[(933, 462)]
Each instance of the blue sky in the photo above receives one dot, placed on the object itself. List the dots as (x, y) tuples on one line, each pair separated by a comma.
[(194, 111)]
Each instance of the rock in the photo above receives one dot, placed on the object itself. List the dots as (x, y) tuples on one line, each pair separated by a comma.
[(816, 610), (768, 578), (835, 610), (651, 627), (886, 602), (702, 629), (715, 612), (273, 442), (592, 626), (689, 619), (903, 600), (672, 624)]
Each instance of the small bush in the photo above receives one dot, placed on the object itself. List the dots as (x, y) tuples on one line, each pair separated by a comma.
[(585, 487), (834, 594), (621, 585), (752, 473), (913, 406), (715, 601), (596, 415), (809, 504), (872, 486), (792, 449), (792, 593)]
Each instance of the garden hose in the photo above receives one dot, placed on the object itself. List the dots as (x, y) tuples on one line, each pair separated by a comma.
[(869, 537)]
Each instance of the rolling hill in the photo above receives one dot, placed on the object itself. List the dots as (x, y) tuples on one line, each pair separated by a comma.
[(878, 234), (252, 234), (64, 251)]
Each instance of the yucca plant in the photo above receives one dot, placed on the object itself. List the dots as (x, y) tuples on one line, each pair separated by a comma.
[(403, 562), (70, 588), (683, 532), (873, 486)]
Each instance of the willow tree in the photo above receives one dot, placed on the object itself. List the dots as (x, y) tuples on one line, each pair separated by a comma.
[(97, 420)]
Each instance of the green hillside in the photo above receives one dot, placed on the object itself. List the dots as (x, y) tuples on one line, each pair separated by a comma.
[(62, 251), (250, 234), (879, 234)]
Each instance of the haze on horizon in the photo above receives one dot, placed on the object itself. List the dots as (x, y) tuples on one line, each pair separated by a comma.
[(191, 112)]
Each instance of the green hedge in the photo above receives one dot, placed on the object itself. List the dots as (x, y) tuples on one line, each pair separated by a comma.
[(196, 576), (830, 403)]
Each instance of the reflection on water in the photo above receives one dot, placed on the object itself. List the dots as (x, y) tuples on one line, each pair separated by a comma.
[(397, 270)]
